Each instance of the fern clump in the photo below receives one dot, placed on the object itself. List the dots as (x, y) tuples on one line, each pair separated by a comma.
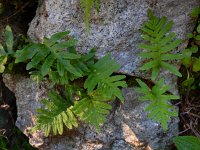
[(160, 109), (56, 59), (92, 105), (87, 6), (159, 44)]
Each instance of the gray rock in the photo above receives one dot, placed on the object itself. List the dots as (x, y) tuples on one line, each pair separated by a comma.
[(115, 29), (127, 127), (28, 94)]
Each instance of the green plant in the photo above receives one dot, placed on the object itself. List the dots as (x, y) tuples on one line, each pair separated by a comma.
[(87, 6), (187, 142), (93, 109), (55, 58), (160, 109), (195, 13), (58, 111), (6, 52), (100, 76), (159, 44), (191, 63), (92, 105), (3, 143)]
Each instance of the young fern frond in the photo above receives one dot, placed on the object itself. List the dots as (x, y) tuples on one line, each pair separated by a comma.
[(93, 109), (52, 58), (160, 109), (159, 44), (100, 77), (57, 114), (87, 6)]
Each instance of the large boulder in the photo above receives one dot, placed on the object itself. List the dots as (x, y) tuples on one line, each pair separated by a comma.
[(115, 29), (127, 127)]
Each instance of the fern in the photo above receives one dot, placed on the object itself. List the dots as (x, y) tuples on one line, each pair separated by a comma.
[(87, 6), (51, 59), (159, 44), (8, 51), (159, 109), (57, 113), (91, 106), (93, 109), (100, 77)]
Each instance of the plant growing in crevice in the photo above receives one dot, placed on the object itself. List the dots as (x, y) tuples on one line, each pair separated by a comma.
[(158, 46), (91, 106), (56, 59), (160, 109)]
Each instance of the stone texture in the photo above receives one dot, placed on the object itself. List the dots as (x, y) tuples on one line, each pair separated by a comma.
[(27, 95), (127, 127), (115, 29)]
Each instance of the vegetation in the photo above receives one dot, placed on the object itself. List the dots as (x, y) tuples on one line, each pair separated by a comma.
[(160, 109), (159, 45), (187, 142), (87, 6), (56, 59)]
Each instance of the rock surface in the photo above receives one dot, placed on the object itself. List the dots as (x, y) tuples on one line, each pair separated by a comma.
[(127, 127), (115, 29)]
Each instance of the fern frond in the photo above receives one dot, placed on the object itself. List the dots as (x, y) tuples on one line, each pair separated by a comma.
[(93, 109), (57, 114), (100, 77), (87, 6), (159, 44), (160, 109), (52, 59)]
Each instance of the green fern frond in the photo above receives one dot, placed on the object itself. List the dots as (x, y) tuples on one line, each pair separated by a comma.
[(100, 77), (51, 58), (160, 109), (87, 6), (57, 114), (93, 109), (159, 44)]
